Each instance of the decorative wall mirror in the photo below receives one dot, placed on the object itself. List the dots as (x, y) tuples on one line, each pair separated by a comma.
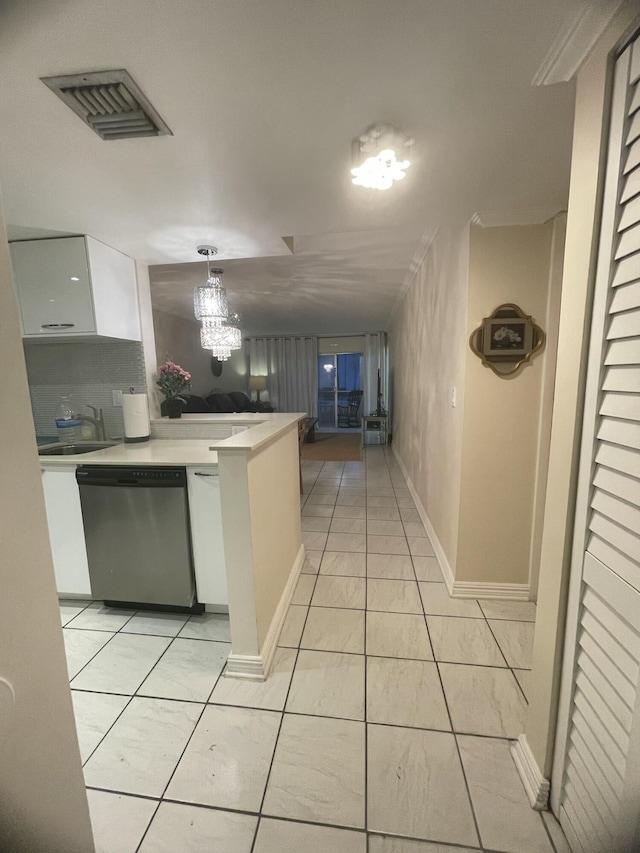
[(507, 339)]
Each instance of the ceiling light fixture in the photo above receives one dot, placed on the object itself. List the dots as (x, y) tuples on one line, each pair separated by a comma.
[(378, 157), (223, 339), (210, 299), (220, 330)]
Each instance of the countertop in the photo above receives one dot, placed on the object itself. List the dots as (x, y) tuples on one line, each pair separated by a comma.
[(154, 452), (159, 451), (226, 418)]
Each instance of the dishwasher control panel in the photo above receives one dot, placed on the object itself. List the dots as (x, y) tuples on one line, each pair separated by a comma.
[(115, 475)]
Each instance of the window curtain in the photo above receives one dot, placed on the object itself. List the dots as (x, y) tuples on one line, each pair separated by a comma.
[(290, 365), (375, 358)]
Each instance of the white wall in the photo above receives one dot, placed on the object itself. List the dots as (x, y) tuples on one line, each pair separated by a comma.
[(235, 374), (428, 340), (43, 805), (275, 524), (148, 337), (180, 338), (262, 538), (474, 466), (501, 414)]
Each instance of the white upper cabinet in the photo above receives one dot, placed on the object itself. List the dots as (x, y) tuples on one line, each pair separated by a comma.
[(75, 286)]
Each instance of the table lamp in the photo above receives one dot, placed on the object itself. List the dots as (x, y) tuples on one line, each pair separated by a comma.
[(258, 384)]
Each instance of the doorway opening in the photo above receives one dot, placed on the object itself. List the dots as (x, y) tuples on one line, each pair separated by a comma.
[(339, 375)]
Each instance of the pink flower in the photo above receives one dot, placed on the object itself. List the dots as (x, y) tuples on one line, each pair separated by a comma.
[(172, 379)]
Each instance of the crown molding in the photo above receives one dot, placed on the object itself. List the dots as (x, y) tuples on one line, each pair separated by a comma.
[(496, 218), (574, 42), (418, 257)]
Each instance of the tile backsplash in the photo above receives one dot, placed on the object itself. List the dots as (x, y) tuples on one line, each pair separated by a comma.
[(88, 371)]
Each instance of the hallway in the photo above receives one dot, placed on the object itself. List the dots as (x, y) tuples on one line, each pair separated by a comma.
[(398, 704)]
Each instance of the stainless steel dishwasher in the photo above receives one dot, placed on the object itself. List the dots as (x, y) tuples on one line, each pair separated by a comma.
[(136, 524)]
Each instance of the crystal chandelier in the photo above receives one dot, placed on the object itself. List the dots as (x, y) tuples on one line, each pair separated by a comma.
[(220, 330), (233, 328), (222, 339), (375, 157), (210, 299)]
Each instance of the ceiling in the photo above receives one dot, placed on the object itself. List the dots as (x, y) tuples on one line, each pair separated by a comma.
[(263, 98)]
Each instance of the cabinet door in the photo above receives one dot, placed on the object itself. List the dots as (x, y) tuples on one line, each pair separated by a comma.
[(54, 290), (595, 786), (115, 292), (206, 535), (66, 531)]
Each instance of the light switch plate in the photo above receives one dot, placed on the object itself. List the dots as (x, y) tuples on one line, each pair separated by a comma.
[(116, 396)]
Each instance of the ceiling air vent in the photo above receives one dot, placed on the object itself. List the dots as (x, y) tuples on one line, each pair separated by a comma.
[(110, 103)]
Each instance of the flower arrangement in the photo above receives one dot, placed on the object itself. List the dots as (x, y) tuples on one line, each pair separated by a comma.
[(506, 337), (172, 379)]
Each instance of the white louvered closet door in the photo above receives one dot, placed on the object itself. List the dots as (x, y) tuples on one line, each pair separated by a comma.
[(596, 781)]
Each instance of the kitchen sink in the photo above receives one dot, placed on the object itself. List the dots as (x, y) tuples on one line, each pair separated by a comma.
[(74, 449)]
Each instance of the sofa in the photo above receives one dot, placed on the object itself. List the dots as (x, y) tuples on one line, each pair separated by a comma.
[(235, 401), (217, 403)]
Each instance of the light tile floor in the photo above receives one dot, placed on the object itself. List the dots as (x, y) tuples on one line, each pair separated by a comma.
[(383, 727)]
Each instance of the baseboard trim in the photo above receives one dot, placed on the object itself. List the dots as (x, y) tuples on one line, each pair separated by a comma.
[(441, 557), (535, 784), (257, 667), (270, 644), (461, 589), (245, 666), (500, 591)]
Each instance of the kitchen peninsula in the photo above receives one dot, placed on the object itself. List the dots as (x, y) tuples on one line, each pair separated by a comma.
[(257, 491)]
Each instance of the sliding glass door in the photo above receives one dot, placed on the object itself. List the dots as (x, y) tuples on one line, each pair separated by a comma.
[(338, 375)]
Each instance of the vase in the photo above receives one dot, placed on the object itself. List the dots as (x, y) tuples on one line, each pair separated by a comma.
[(174, 407)]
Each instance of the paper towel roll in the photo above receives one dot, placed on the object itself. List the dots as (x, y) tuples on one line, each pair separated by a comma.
[(135, 411)]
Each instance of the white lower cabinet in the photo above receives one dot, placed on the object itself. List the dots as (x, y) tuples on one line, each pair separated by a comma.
[(206, 535), (66, 531)]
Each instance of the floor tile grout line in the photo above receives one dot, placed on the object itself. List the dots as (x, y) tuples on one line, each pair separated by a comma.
[(426, 624), (175, 767), (449, 846), (282, 716), (497, 643), (71, 600), (157, 801), (146, 696), (366, 722), (153, 817), (123, 793), (82, 668), (446, 701), (135, 692), (91, 754), (366, 683), (513, 672)]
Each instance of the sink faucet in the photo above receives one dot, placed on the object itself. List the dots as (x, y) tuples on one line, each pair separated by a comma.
[(97, 421)]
